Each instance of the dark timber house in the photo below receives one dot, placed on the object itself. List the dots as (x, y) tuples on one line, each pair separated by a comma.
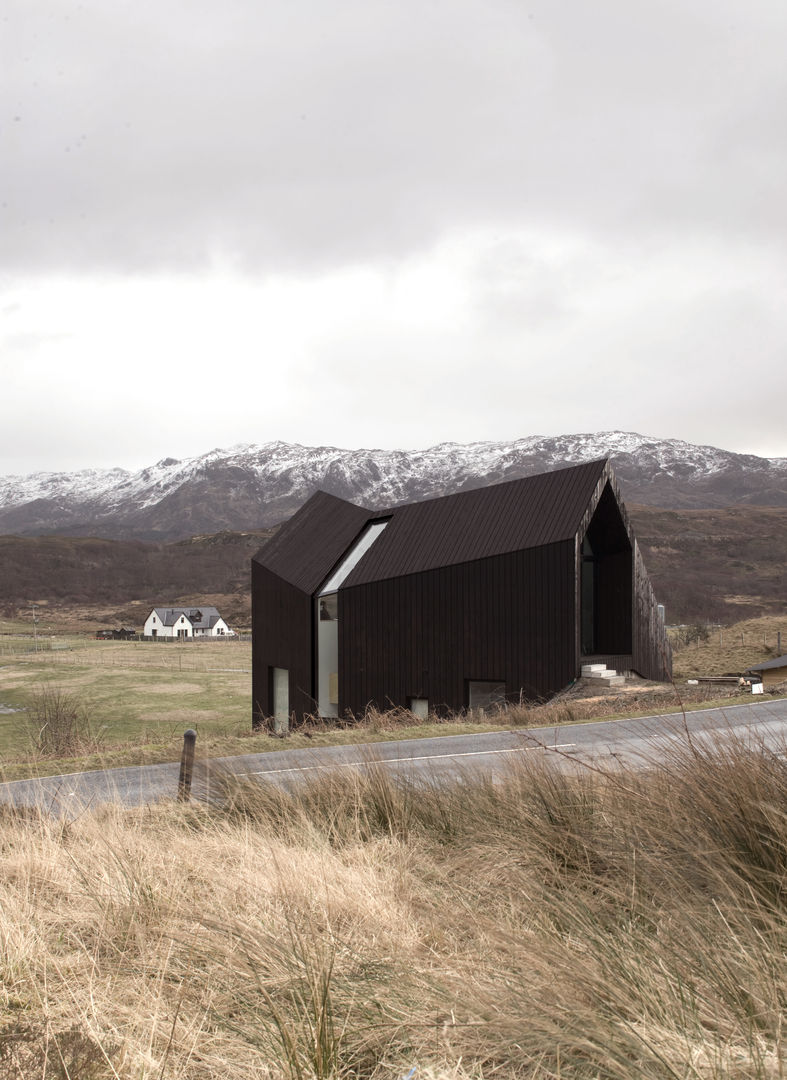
[(497, 593)]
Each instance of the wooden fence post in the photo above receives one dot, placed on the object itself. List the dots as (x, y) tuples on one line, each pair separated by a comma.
[(186, 765)]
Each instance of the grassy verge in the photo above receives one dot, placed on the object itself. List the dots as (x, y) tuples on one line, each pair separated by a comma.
[(544, 927), (729, 649), (376, 728), (141, 697)]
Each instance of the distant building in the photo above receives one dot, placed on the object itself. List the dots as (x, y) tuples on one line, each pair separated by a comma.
[(490, 595), (771, 672), (122, 633), (186, 622)]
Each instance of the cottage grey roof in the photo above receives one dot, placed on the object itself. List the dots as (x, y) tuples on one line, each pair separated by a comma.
[(770, 665), (201, 618), (462, 527)]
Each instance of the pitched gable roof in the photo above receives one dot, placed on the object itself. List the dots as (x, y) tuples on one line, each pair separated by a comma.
[(477, 524), (307, 547), (462, 527), (200, 617), (770, 665)]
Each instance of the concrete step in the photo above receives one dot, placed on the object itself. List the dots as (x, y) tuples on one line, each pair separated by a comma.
[(612, 679), (593, 669)]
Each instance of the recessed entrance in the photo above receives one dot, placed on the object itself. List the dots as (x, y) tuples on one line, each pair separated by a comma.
[(606, 582)]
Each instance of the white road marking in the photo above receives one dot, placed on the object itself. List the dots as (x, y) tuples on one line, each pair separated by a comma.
[(679, 713), (407, 760)]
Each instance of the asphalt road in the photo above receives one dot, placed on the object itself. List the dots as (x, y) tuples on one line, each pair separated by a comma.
[(624, 742)]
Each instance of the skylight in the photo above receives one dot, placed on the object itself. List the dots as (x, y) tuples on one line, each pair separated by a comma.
[(353, 556)]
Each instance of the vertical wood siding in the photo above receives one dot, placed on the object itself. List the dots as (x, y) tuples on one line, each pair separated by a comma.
[(509, 618), (442, 599), (281, 618), (652, 653)]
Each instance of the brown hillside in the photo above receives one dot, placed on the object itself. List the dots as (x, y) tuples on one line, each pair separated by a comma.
[(68, 572), (715, 565), (706, 565)]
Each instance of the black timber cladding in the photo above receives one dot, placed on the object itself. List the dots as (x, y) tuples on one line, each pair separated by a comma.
[(282, 638), (478, 524), (479, 585), (505, 618), (284, 575)]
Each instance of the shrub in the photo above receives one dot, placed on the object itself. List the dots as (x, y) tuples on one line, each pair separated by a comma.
[(59, 723)]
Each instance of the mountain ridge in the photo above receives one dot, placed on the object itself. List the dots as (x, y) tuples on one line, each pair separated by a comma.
[(258, 485)]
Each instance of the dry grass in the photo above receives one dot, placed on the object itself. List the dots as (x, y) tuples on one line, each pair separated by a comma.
[(143, 696), (732, 649), (547, 926)]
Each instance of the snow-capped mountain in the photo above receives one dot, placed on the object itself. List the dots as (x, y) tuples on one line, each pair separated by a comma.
[(253, 486)]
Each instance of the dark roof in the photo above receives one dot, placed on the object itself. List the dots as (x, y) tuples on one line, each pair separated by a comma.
[(201, 617), (308, 546), (468, 525), (769, 665), (476, 524)]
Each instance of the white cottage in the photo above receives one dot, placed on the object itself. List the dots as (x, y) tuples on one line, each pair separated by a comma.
[(186, 622)]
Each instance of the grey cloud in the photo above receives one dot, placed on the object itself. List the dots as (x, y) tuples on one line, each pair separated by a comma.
[(294, 135)]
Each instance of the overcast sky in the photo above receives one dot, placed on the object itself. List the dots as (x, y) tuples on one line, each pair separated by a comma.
[(389, 224)]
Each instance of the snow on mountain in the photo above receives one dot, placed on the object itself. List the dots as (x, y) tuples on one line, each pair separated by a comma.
[(253, 485)]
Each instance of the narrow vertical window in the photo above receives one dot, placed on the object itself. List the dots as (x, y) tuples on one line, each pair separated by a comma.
[(326, 619), (588, 584), (280, 678)]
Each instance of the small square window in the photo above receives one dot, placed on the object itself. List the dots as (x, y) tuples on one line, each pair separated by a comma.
[(485, 694)]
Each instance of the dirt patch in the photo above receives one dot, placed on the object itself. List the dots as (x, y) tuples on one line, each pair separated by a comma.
[(638, 694)]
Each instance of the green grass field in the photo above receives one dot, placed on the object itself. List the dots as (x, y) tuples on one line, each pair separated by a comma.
[(137, 695), (141, 696)]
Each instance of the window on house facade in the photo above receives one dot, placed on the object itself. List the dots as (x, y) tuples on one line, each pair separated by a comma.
[(419, 706), (354, 556), (327, 616), (485, 693), (280, 687)]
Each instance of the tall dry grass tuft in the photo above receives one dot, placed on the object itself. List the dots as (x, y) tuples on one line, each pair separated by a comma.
[(59, 723), (552, 924)]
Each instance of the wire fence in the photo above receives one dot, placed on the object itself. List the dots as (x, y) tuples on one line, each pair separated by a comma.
[(228, 656)]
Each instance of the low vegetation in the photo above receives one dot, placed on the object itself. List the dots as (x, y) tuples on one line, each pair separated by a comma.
[(715, 566), (727, 650), (140, 697), (550, 926), (89, 571), (718, 565), (59, 724)]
